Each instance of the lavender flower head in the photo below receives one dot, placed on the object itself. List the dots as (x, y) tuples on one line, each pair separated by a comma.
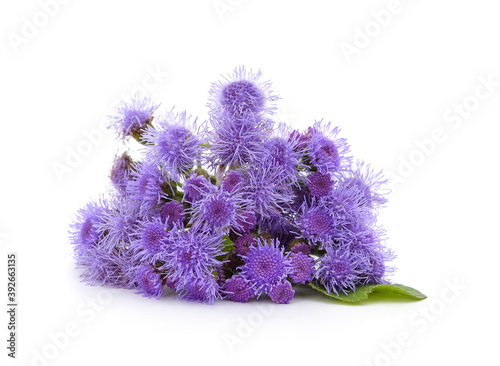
[(173, 145), (121, 172), (195, 187), (265, 190), (371, 184), (191, 258), (133, 116), (239, 289), (266, 265), (242, 94), (219, 211), (235, 143), (119, 222), (320, 184), (146, 185), (326, 151), (150, 236), (172, 213), (315, 222), (339, 270), (281, 152), (232, 181), (149, 281), (86, 230), (282, 293)]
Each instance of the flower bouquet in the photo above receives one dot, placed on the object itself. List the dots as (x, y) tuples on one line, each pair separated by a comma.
[(237, 207)]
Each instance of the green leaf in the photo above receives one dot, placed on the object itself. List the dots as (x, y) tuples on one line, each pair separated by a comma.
[(362, 292)]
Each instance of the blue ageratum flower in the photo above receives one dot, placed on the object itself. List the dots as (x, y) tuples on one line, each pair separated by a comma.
[(173, 144), (220, 211), (173, 213), (232, 181), (149, 238), (86, 230), (302, 268), (149, 281), (320, 184), (239, 289), (119, 223), (233, 142), (282, 293), (368, 241), (121, 172), (266, 265), (202, 289), (242, 94), (195, 187), (327, 152), (376, 265), (132, 116), (339, 270), (103, 268), (146, 186), (316, 223), (191, 261), (266, 191), (348, 203), (281, 152), (371, 185)]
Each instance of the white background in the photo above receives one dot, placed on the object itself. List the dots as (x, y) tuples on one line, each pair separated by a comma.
[(61, 76)]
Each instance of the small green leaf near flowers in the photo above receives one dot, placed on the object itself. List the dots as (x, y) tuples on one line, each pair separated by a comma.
[(362, 292)]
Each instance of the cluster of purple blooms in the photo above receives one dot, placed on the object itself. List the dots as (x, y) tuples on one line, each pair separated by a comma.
[(236, 207)]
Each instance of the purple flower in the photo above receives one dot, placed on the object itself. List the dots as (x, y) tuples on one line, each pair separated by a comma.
[(265, 265), (190, 260), (370, 184), (202, 289), (302, 268), (236, 143), (239, 289), (232, 181), (219, 211), (267, 193), (339, 270), (104, 268), (119, 223), (315, 222), (172, 213), (86, 229), (243, 244), (133, 116), (150, 237), (281, 153), (173, 145), (320, 184), (242, 94), (149, 281), (282, 293), (348, 203), (327, 152), (195, 187), (146, 186), (121, 172)]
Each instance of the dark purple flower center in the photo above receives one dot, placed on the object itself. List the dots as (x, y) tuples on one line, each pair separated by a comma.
[(153, 237), (241, 97)]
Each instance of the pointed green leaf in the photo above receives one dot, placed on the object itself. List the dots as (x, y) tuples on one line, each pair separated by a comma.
[(362, 292)]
